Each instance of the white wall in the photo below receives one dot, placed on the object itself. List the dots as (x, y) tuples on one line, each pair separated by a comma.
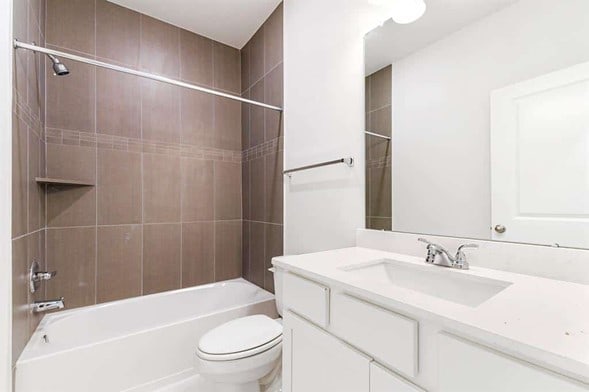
[(5, 194), (324, 120), (441, 167)]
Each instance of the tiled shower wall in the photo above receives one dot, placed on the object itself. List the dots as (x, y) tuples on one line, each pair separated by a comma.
[(262, 80), (165, 209), (379, 151), (28, 220)]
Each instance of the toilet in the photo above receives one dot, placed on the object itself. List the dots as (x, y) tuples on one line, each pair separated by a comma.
[(243, 354)]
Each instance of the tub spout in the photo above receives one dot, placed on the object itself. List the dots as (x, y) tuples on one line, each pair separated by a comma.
[(45, 306)]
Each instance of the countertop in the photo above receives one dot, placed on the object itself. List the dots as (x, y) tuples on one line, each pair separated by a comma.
[(539, 320)]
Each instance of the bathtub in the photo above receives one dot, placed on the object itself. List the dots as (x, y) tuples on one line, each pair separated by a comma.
[(135, 344)]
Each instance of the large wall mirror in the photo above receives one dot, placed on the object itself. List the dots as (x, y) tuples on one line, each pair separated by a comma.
[(477, 122)]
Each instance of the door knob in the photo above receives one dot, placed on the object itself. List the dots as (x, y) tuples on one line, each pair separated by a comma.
[(500, 229)]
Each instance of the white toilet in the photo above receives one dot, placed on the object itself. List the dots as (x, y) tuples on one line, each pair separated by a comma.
[(242, 354)]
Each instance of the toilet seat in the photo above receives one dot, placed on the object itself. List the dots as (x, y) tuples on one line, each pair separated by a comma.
[(240, 338)]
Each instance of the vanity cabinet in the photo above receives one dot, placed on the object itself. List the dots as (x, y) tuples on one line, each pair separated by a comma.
[(334, 341), (467, 367), (315, 361), (382, 380)]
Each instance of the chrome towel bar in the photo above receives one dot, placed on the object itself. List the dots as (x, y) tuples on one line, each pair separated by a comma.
[(347, 161)]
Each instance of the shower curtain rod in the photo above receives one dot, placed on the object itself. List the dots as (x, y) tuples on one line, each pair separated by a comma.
[(163, 79)]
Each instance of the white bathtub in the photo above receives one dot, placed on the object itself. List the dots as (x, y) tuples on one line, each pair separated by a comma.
[(133, 343)]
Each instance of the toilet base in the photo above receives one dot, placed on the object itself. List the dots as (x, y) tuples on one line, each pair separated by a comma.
[(249, 387)]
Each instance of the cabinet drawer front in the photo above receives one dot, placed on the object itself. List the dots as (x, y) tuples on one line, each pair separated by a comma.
[(306, 298), (466, 367), (388, 337), (382, 380)]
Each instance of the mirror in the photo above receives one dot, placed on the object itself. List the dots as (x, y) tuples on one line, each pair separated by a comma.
[(477, 122)]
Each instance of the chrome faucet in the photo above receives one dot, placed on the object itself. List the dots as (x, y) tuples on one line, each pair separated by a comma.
[(45, 306), (438, 255)]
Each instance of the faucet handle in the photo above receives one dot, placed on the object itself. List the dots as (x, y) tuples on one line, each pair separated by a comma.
[(459, 251), (425, 241)]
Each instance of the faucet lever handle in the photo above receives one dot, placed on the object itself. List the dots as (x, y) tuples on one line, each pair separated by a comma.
[(425, 241), (467, 246)]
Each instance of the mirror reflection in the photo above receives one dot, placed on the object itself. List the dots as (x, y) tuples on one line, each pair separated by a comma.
[(477, 122)]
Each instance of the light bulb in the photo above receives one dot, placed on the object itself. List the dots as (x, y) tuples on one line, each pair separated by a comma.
[(407, 11)]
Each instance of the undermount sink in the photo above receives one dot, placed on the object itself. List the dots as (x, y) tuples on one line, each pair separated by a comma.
[(440, 282)]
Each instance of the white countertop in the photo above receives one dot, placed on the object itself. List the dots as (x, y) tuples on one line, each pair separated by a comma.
[(542, 321)]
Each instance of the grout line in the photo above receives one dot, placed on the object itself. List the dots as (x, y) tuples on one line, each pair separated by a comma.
[(142, 173), (96, 190)]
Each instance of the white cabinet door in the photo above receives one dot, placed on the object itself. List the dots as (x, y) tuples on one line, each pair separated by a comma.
[(540, 159), (382, 380), (315, 361), (467, 367)]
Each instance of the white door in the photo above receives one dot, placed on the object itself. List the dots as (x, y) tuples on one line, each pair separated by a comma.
[(315, 361), (540, 159)]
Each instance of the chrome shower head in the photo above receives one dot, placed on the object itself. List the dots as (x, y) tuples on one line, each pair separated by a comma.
[(58, 67)]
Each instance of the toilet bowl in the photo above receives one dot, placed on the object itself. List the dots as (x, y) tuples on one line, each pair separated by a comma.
[(242, 354)]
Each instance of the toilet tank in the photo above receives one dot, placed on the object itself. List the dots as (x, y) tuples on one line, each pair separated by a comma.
[(278, 278)]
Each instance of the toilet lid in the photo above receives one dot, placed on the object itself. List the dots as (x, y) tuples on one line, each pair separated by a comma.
[(241, 335)]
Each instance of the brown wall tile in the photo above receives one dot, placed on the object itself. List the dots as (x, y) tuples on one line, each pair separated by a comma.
[(196, 58), (19, 177), (273, 39), (36, 213), (20, 304), (245, 122), (117, 33), (227, 124), (274, 248), (273, 93), (227, 190), (274, 187), (227, 71), (380, 185), (257, 190), (71, 99), (70, 24), (380, 88), (198, 253), (197, 118), (160, 43), (256, 56), (197, 190), (257, 250), (245, 250), (71, 206), (119, 253), (245, 67), (161, 257), (161, 188), (36, 252), (257, 127), (71, 162), (160, 108), (72, 253), (118, 104), (227, 250), (245, 190), (118, 187)]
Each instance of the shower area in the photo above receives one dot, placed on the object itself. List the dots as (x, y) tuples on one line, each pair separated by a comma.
[(136, 170)]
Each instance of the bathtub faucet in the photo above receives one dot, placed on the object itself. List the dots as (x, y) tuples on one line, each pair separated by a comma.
[(45, 306)]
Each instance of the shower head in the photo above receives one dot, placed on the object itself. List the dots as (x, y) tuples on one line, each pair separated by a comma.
[(58, 67)]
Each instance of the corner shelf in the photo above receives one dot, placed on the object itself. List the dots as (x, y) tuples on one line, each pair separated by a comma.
[(60, 181)]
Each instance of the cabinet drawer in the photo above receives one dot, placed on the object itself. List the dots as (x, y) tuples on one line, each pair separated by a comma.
[(466, 366), (306, 298), (382, 380), (388, 337)]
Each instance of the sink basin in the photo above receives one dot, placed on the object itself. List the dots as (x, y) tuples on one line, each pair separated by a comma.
[(439, 282)]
